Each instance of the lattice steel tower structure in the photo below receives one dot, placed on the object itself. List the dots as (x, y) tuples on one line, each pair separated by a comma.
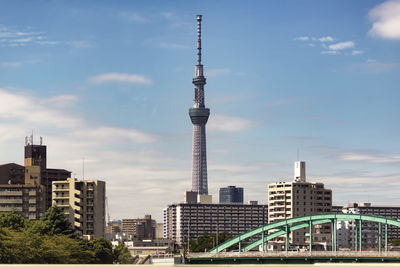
[(199, 116)]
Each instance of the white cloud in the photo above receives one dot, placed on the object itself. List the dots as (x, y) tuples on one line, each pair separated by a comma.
[(373, 66), (330, 52), (356, 52), (326, 39), (370, 158), (217, 72), (60, 101), (228, 123), (16, 64), (167, 15), (386, 20), (302, 38), (342, 45), (120, 77)]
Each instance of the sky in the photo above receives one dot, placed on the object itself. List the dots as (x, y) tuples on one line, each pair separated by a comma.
[(110, 83)]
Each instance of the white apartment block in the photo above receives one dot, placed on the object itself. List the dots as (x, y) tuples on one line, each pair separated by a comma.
[(300, 198), (83, 203)]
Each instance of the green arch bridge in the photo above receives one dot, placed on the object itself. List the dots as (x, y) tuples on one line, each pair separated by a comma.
[(286, 226)]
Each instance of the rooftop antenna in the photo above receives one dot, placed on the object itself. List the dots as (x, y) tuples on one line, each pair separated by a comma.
[(41, 140), (83, 168), (298, 154)]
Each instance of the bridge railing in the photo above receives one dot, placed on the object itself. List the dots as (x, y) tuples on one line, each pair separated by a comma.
[(301, 254)]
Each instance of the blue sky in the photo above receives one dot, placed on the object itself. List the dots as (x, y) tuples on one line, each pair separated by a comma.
[(110, 81)]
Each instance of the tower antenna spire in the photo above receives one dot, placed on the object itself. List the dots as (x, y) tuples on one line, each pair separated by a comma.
[(199, 17)]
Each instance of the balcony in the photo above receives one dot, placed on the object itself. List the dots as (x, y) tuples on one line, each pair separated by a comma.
[(10, 201), (10, 208), (10, 193), (89, 204)]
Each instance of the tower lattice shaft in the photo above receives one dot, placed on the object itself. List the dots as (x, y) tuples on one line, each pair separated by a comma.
[(199, 115)]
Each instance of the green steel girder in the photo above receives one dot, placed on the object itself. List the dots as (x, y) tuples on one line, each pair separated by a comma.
[(300, 222), (282, 232)]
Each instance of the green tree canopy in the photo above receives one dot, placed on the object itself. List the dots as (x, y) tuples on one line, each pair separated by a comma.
[(54, 222), (122, 255), (102, 249), (13, 220)]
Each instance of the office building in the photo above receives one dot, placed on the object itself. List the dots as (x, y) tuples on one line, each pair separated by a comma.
[(300, 198), (140, 228), (346, 230), (184, 221), (231, 194), (83, 203), (199, 115)]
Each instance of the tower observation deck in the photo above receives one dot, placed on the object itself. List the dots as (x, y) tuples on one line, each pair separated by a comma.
[(199, 115)]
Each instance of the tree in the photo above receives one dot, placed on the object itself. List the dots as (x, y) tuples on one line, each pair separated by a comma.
[(54, 222), (102, 249), (207, 242), (122, 255), (13, 220)]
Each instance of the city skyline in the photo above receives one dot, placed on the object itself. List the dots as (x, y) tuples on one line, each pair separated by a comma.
[(95, 80)]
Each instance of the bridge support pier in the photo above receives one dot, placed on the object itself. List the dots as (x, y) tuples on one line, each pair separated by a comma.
[(310, 228), (380, 238), (360, 223), (287, 238), (355, 235), (386, 238)]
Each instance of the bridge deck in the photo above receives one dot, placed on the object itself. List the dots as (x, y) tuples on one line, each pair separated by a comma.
[(291, 257)]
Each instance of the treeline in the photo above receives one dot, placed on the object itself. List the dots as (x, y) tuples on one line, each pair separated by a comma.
[(52, 240)]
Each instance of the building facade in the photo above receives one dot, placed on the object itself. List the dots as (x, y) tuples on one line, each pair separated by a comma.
[(189, 221), (140, 228), (26, 199), (300, 198), (21, 184), (370, 239), (83, 203), (231, 194)]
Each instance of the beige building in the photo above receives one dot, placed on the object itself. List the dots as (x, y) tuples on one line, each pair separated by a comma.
[(84, 204), (299, 198)]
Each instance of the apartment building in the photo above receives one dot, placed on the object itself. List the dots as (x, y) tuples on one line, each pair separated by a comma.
[(299, 198), (140, 228), (346, 230), (24, 198), (186, 221), (83, 203)]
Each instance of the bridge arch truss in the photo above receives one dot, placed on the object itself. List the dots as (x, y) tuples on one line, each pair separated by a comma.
[(286, 226)]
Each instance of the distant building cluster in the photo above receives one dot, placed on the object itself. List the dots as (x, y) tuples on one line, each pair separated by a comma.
[(33, 188)]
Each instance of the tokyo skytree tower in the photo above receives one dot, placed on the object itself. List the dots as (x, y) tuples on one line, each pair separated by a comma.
[(199, 116)]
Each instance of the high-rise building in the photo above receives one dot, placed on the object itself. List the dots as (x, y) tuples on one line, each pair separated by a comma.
[(189, 221), (231, 194), (83, 203), (36, 171), (141, 228), (28, 188), (300, 198), (199, 115)]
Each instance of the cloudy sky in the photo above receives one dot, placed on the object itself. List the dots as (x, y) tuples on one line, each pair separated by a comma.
[(110, 81)]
